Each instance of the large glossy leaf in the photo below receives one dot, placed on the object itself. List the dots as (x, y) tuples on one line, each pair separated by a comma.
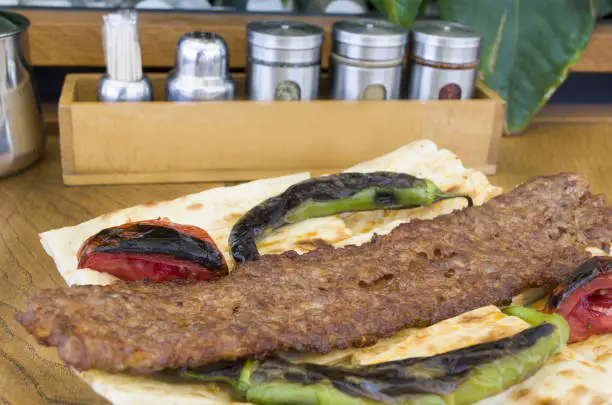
[(528, 47), (402, 12)]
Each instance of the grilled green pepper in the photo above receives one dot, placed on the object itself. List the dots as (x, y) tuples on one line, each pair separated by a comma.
[(459, 377), (329, 195)]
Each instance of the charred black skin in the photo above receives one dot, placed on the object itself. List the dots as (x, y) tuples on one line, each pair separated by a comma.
[(397, 378), (440, 374), (269, 214), (584, 274), (145, 239)]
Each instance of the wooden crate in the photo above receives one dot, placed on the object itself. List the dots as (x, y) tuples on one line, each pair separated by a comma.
[(162, 142)]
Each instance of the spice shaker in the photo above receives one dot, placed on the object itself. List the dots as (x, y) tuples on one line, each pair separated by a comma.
[(283, 60), (444, 60), (124, 79), (367, 59), (201, 71)]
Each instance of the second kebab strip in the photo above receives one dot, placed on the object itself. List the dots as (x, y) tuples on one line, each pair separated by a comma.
[(332, 297)]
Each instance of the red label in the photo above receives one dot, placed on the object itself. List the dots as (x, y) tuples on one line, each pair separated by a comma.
[(451, 91)]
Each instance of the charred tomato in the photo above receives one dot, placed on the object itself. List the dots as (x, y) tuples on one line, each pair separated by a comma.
[(585, 300), (154, 250)]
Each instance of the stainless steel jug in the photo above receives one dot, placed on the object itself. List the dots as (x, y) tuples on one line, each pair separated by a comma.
[(21, 135)]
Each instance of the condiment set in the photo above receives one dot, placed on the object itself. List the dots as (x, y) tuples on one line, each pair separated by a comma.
[(284, 63)]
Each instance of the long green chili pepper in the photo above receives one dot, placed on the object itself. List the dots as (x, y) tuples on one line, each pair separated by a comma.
[(329, 195), (459, 377)]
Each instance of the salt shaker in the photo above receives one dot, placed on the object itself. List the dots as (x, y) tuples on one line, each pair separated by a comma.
[(283, 60), (444, 60), (201, 72), (367, 59)]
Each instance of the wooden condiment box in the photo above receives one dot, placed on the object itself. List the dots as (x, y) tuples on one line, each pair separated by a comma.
[(163, 142)]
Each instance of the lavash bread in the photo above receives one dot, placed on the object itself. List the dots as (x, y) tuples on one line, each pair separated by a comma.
[(471, 328), (217, 209), (421, 159), (580, 375), (214, 210)]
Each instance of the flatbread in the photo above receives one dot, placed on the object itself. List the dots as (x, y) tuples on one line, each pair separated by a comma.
[(214, 210), (217, 209), (580, 375), (422, 159), (139, 390), (471, 328)]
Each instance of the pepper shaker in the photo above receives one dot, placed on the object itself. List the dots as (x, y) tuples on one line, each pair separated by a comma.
[(283, 60), (201, 72), (444, 60), (366, 60)]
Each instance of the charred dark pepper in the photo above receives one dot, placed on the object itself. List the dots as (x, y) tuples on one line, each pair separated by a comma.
[(330, 195), (155, 250), (585, 300), (459, 377)]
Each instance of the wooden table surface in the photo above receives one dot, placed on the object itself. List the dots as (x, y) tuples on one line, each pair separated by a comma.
[(37, 201)]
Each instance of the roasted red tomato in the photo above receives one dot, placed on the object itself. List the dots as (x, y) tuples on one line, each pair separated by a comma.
[(585, 301), (154, 250)]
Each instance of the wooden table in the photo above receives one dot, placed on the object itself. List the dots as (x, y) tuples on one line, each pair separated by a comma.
[(36, 201)]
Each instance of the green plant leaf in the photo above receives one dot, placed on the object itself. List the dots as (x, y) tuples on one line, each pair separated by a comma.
[(300, 5), (424, 6), (528, 47), (402, 12), (605, 8)]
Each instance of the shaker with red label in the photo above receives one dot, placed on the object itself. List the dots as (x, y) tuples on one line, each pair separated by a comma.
[(444, 60)]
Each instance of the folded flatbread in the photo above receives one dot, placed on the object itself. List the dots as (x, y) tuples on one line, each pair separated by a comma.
[(216, 210)]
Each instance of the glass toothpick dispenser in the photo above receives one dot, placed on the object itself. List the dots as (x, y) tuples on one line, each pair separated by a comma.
[(367, 59), (283, 60), (443, 61)]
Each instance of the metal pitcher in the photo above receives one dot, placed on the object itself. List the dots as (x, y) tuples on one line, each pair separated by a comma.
[(21, 134)]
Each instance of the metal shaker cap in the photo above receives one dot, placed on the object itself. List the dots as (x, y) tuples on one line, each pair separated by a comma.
[(445, 42), (202, 54), (12, 24), (369, 39), (289, 35)]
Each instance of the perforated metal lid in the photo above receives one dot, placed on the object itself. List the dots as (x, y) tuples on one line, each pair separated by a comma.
[(436, 32), (283, 34), (369, 40), (369, 32), (444, 41)]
